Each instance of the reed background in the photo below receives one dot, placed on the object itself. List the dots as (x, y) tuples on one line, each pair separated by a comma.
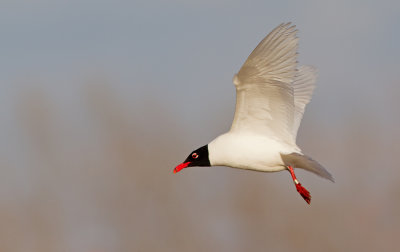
[(100, 100)]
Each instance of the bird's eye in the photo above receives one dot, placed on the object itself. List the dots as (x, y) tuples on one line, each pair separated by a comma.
[(194, 155)]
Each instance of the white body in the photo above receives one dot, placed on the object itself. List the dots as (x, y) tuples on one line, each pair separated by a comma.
[(245, 150)]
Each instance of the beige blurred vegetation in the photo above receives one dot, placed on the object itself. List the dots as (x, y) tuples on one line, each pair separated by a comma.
[(102, 180)]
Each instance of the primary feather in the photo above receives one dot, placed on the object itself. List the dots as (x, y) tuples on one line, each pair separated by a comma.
[(303, 87)]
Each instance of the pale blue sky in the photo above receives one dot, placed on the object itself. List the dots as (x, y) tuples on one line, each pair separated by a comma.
[(186, 49)]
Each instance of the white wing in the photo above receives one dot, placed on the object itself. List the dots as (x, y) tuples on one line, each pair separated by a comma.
[(264, 94), (303, 87)]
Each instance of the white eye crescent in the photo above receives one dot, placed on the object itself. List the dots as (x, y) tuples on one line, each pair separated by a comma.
[(194, 155)]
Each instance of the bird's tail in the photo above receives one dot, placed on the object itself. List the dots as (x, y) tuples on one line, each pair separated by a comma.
[(297, 160)]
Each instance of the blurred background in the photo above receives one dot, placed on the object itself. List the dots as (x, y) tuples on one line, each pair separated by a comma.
[(100, 100)]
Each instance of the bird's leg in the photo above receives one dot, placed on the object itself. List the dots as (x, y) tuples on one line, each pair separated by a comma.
[(303, 191)]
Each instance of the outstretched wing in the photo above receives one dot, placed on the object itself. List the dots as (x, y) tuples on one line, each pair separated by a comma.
[(303, 87), (264, 94)]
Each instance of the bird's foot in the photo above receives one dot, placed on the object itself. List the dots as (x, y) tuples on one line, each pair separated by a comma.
[(304, 193), (301, 189)]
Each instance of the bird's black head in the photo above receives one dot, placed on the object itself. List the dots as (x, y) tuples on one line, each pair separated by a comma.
[(198, 157)]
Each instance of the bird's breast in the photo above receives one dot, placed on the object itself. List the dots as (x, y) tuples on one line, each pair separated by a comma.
[(248, 151)]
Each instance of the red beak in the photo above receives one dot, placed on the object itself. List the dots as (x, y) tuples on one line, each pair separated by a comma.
[(181, 166)]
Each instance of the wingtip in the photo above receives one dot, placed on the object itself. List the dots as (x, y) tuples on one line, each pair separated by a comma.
[(288, 23)]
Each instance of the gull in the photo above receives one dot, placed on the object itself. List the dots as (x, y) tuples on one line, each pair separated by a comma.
[(272, 92)]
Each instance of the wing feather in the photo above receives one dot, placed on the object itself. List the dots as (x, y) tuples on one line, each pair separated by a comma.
[(264, 94), (303, 87)]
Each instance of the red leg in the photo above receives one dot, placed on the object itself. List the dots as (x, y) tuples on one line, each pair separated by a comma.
[(303, 191)]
